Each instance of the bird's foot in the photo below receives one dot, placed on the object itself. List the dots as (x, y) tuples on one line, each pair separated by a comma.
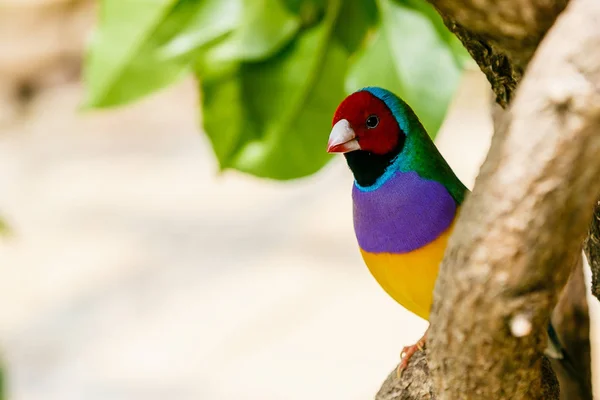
[(408, 352)]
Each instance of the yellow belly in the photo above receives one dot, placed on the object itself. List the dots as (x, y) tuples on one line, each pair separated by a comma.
[(410, 277)]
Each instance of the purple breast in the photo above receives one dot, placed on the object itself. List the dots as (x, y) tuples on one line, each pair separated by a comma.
[(404, 214)]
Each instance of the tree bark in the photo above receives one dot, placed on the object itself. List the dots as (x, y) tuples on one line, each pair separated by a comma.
[(592, 250), (416, 383), (571, 320), (512, 249), (501, 36)]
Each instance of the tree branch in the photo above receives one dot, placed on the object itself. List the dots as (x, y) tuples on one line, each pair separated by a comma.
[(571, 320), (512, 248), (562, 113), (592, 250), (501, 36), (416, 382)]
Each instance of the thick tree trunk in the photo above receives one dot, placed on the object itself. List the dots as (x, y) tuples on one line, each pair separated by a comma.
[(522, 227)]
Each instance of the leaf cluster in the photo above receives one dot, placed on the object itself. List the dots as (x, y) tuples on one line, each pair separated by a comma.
[(271, 72)]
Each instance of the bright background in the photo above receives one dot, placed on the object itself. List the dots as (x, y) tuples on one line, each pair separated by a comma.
[(135, 270)]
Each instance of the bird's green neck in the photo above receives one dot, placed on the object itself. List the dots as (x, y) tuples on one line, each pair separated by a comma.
[(422, 156)]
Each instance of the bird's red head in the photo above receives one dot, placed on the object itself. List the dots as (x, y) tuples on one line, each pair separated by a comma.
[(363, 122)]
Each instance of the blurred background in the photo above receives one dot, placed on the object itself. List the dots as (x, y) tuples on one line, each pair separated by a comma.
[(136, 267)]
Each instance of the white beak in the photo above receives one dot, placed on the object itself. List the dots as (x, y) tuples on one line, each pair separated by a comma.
[(342, 138)]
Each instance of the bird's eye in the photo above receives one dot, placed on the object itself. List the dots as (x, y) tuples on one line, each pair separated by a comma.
[(372, 121)]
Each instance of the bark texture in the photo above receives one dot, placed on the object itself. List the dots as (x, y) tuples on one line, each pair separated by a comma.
[(501, 36), (571, 320), (504, 259), (592, 250), (416, 384)]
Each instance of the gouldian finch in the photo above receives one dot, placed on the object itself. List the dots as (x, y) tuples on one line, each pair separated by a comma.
[(405, 198)]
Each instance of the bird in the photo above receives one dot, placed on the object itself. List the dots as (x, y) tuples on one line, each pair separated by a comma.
[(406, 199)]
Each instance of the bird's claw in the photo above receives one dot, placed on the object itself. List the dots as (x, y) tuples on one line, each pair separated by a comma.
[(407, 352)]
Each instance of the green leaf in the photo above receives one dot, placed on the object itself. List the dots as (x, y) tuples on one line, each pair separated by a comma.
[(270, 118), (265, 28), (428, 11), (461, 55), (208, 21), (143, 46), (357, 18), (224, 116), (310, 11), (412, 57), (374, 66)]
